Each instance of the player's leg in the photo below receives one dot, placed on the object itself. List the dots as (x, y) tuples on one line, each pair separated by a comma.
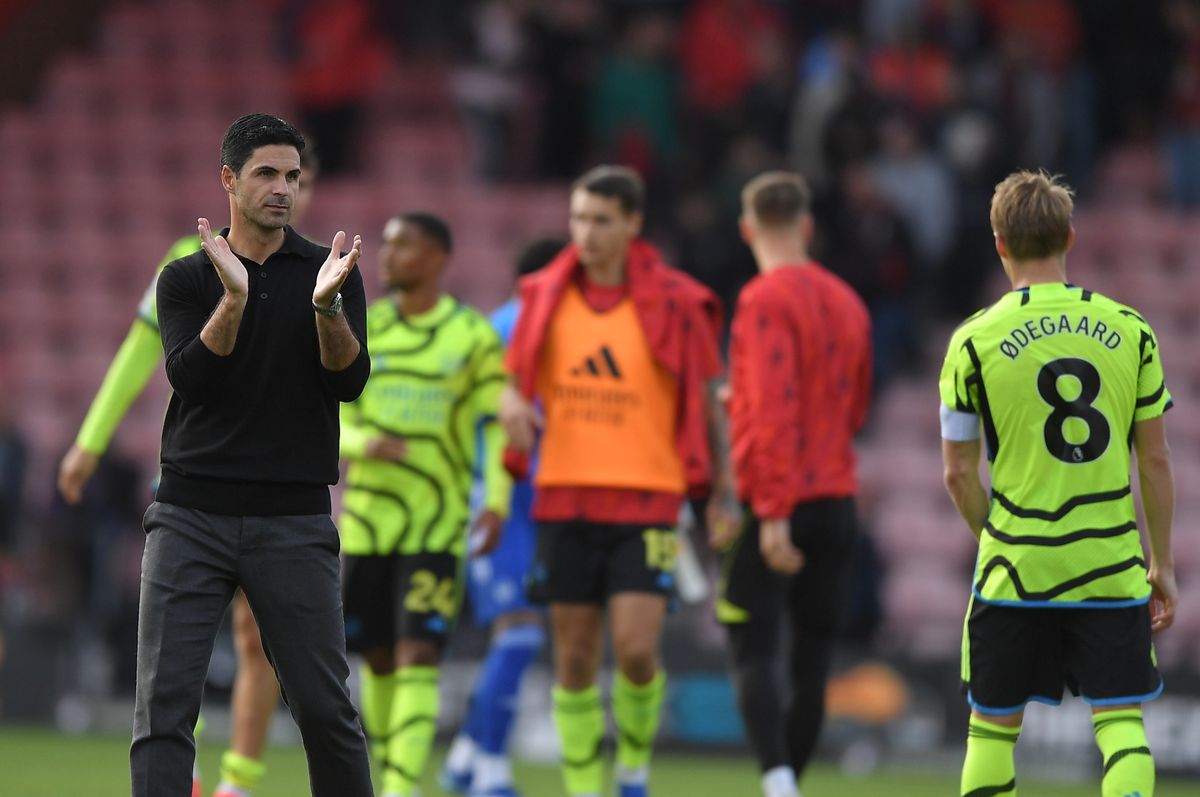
[(640, 579), (639, 684), (289, 570), (369, 596), (578, 712), (188, 578), (517, 637), (1010, 656), (429, 583), (1112, 658), (988, 766), (478, 756), (414, 716), (1128, 762), (255, 696), (816, 598), (750, 607), (568, 574)]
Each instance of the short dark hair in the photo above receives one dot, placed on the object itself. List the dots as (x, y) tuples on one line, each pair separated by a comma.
[(249, 132), (1031, 211), (432, 227), (776, 199), (538, 252), (615, 182)]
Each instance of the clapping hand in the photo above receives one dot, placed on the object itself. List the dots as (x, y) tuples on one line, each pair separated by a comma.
[(229, 268), (335, 269)]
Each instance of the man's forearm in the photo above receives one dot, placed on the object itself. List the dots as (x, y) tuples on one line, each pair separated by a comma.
[(220, 331), (718, 441), (339, 347), (1158, 499), (971, 499)]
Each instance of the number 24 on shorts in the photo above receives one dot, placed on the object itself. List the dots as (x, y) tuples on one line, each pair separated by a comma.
[(429, 594), (662, 549)]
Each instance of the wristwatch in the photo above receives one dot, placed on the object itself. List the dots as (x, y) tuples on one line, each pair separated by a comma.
[(333, 309)]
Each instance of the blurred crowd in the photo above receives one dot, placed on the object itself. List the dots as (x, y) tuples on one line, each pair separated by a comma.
[(902, 114)]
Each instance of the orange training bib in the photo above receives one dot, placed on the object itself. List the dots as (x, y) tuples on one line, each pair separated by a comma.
[(610, 407)]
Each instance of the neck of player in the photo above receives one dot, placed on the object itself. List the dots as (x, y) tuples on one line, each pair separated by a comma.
[(606, 273), (777, 251), (416, 300), (250, 240), (1024, 273)]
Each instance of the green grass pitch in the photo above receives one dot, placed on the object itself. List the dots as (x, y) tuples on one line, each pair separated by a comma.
[(41, 763)]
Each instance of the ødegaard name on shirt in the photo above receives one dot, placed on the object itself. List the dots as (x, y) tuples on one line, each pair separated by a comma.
[(1020, 337)]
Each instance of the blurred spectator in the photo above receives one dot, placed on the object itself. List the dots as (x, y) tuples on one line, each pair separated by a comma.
[(915, 181), (1127, 48), (490, 86), (634, 99), (1183, 113), (767, 105), (863, 239), (339, 61), (852, 133), (14, 457), (827, 76), (1037, 41), (736, 74), (970, 141), (888, 22), (914, 72), (566, 52), (716, 51)]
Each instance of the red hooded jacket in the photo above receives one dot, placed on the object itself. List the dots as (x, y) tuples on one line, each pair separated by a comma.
[(682, 321)]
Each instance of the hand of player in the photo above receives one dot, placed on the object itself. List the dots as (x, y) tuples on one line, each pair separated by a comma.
[(520, 418), (229, 268), (335, 269), (74, 471), (485, 535), (1164, 596), (775, 542), (724, 518), (386, 447)]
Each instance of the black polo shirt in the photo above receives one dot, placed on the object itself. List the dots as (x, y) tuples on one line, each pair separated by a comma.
[(255, 432)]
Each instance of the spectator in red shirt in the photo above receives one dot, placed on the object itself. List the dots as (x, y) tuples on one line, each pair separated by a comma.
[(800, 371)]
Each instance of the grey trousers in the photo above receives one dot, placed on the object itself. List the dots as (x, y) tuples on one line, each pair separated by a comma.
[(288, 568)]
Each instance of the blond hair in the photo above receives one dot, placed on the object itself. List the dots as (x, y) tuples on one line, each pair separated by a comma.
[(776, 199), (1031, 211)]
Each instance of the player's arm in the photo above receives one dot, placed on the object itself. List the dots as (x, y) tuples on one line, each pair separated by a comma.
[(770, 355), (518, 415), (770, 352), (723, 513), (960, 438), (1155, 475), (488, 382), (1158, 499), (960, 460), (359, 440), (124, 381)]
